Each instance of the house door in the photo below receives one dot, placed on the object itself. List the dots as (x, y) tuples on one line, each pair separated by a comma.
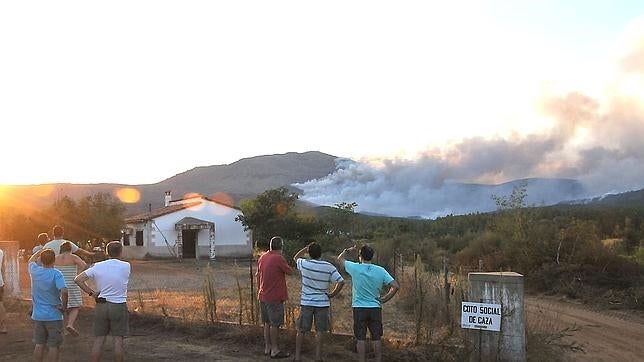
[(189, 238)]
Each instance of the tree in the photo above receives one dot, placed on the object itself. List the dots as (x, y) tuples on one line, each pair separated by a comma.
[(341, 218), (273, 213)]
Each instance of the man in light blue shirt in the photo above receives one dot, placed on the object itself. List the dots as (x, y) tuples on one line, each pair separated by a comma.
[(367, 282), (47, 287)]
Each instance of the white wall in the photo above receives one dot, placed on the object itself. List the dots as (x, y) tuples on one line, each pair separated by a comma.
[(229, 234)]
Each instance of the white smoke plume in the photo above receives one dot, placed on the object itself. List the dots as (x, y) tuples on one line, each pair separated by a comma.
[(595, 146)]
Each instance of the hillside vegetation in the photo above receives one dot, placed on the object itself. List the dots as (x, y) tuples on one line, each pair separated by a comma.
[(581, 251)]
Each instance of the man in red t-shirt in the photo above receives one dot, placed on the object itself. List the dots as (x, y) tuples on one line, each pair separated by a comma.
[(271, 279)]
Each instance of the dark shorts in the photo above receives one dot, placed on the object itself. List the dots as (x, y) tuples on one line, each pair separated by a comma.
[(272, 313), (308, 314), (364, 318), (111, 319), (49, 333), (1, 293)]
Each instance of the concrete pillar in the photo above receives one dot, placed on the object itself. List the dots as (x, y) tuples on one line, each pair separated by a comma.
[(505, 288), (11, 270)]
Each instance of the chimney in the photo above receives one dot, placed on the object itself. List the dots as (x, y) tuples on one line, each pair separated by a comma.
[(168, 197)]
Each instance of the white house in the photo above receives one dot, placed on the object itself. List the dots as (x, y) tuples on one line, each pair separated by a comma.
[(192, 227)]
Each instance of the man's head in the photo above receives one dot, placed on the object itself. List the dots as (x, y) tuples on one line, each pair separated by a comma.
[(114, 249), (66, 247), (43, 238), (366, 253), (58, 232), (276, 243), (315, 250), (47, 257)]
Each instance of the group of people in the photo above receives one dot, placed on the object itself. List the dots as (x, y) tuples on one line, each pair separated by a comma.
[(57, 278), (321, 281)]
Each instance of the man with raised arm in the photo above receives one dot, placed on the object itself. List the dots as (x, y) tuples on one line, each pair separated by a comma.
[(367, 282), (58, 240), (317, 276), (49, 297)]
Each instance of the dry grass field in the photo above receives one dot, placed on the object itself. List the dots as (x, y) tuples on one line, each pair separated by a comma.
[(171, 319)]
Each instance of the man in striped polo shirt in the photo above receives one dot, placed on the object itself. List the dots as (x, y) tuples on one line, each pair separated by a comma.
[(317, 277)]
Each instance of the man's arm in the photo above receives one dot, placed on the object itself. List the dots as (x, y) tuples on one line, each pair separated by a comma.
[(35, 257), (336, 289), (393, 289), (285, 267), (65, 294), (81, 280), (341, 258), (79, 263), (84, 253), (300, 253)]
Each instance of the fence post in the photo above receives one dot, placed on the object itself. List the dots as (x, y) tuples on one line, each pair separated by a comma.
[(446, 291), (252, 291), (11, 272), (506, 289)]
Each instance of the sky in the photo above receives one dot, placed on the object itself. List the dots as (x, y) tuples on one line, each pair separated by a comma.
[(134, 92)]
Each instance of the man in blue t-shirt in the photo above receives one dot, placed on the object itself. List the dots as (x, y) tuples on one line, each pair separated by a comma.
[(47, 287), (367, 282)]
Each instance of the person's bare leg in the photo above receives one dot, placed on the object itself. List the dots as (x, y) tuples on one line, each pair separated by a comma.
[(360, 346), (39, 352), (52, 354), (318, 345), (71, 316), (97, 348), (119, 348), (267, 339), (3, 318), (275, 333), (377, 348), (299, 337)]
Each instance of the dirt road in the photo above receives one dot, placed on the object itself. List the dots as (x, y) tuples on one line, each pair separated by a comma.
[(604, 337)]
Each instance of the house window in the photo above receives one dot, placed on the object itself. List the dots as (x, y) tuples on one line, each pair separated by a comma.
[(139, 237), (126, 239)]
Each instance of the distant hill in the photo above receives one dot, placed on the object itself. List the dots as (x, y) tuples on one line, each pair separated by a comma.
[(249, 177), (630, 199), (241, 179)]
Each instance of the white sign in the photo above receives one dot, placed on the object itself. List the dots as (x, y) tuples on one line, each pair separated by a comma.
[(481, 316)]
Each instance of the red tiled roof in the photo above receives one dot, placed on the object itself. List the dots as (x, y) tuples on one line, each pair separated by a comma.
[(159, 212), (209, 199)]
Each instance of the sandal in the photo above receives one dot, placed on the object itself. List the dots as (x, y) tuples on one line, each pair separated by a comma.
[(280, 354), (72, 331)]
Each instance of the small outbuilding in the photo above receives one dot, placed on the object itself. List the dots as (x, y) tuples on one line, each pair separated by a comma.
[(192, 227)]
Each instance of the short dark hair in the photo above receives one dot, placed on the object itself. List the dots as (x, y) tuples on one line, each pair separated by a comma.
[(58, 231), (43, 238), (47, 257), (276, 243), (65, 246), (366, 252), (114, 249), (315, 250)]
